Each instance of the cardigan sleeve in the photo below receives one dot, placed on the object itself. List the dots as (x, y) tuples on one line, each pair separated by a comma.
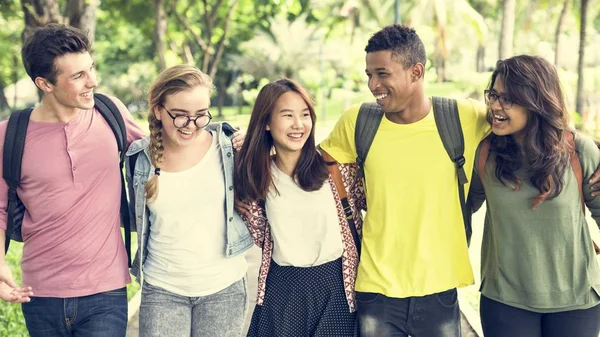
[(256, 221)]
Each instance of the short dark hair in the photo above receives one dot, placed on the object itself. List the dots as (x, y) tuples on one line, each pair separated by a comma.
[(403, 41), (48, 42)]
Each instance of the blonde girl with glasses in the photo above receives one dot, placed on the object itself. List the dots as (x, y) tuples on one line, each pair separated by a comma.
[(190, 240)]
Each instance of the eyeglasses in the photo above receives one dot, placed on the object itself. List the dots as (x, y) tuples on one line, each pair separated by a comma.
[(181, 121), (491, 97)]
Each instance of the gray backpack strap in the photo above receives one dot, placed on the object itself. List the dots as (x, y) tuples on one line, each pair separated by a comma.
[(367, 123), (447, 121)]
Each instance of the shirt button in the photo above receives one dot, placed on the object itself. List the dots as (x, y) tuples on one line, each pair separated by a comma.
[(228, 154), (231, 188), (230, 219)]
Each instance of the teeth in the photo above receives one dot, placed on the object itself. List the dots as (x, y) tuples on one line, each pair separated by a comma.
[(87, 94), (186, 132), (382, 96), (296, 135), (500, 118)]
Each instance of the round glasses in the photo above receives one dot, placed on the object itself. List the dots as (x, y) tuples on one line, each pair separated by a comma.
[(181, 121), (491, 97)]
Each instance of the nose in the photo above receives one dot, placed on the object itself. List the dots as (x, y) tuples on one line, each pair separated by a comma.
[(92, 80), (297, 123), (495, 105), (373, 83)]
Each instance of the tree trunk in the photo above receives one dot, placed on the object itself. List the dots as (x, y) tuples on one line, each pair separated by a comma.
[(4, 106), (580, 63), (82, 15), (480, 58), (38, 13), (507, 29), (559, 30), (160, 30)]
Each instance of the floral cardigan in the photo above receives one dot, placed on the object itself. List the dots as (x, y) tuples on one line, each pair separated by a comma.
[(261, 233)]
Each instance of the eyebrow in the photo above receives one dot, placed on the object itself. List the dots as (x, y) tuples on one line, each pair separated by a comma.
[(81, 72), (377, 69), (185, 111), (291, 110)]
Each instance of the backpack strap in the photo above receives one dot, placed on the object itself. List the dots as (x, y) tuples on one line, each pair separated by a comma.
[(578, 171), (12, 157), (336, 175), (447, 121), (367, 123), (114, 118)]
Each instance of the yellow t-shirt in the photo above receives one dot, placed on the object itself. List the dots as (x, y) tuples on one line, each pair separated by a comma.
[(413, 237)]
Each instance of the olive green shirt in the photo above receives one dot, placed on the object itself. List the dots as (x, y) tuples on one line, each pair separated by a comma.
[(542, 260)]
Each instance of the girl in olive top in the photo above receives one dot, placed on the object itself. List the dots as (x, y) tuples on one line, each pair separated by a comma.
[(539, 273)]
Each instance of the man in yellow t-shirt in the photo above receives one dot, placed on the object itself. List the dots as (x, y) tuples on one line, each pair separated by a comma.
[(414, 249)]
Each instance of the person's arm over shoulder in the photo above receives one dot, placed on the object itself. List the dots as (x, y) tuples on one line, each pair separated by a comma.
[(476, 195), (473, 116), (589, 157), (340, 142), (255, 218), (134, 132)]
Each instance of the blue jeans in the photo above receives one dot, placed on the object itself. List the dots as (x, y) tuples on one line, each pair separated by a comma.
[(99, 315), (435, 315), (163, 313)]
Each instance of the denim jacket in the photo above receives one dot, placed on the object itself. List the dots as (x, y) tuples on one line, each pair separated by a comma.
[(238, 238)]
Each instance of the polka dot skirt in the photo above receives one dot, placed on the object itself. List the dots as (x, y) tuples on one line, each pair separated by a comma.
[(302, 302)]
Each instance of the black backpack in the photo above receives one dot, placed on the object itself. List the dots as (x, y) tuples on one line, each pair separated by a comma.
[(447, 121), (12, 157)]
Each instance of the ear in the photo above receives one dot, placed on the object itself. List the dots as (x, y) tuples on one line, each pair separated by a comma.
[(268, 128), (157, 113), (44, 84), (418, 71)]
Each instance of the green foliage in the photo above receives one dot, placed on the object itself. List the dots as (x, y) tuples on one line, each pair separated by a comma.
[(11, 68), (12, 323)]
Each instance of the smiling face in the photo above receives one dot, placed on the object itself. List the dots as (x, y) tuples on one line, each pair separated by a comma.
[(193, 103), (290, 123), (508, 120), (391, 84), (75, 81)]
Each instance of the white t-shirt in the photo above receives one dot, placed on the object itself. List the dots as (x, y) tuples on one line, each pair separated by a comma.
[(186, 246), (304, 225)]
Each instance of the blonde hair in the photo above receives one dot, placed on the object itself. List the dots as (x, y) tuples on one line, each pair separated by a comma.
[(170, 81)]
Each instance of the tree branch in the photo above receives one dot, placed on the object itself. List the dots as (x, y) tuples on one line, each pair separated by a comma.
[(221, 44), (197, 38)]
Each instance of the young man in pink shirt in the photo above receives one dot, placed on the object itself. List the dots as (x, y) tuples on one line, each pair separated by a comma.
[(74, 260)]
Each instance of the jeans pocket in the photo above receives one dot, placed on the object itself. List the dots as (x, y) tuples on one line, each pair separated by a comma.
[(366, 297), (447, 298)]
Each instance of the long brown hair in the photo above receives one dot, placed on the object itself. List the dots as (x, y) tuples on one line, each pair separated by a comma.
[(170, 81), (253, 163), (533, 83)]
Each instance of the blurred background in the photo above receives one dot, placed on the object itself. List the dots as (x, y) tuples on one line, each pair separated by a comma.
[(243, 44)]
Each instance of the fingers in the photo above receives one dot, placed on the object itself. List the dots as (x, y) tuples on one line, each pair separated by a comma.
[(15, 295), (238, 140), (242, 208)]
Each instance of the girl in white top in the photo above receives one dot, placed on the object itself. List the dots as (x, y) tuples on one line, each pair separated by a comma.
[(189, 259), (306, 281)]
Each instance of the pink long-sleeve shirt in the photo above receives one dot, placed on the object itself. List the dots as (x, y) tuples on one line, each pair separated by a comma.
[(71, 188)]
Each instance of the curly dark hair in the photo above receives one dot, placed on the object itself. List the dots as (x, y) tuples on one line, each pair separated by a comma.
[(532, 82), (403, 41)]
